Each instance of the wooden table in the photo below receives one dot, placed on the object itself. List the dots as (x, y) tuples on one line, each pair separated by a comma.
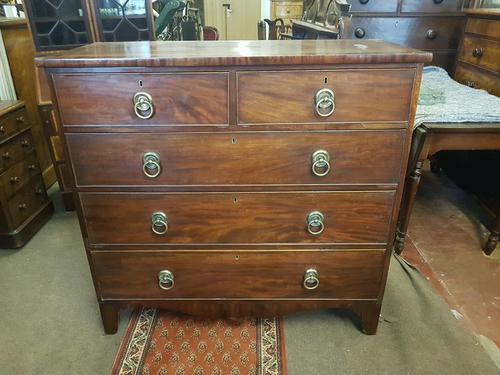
[(428, 139)]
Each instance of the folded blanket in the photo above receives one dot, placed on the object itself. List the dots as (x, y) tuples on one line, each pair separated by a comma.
[(444, 100)]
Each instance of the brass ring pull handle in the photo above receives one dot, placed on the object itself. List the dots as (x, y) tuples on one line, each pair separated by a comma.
[(311, 279), (151, 164), (159, 223), (325, 102), (143, 105), (165, 280), (315, 224), (320, 163)]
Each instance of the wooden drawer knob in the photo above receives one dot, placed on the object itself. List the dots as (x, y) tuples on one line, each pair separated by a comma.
[(311, 279), (25, 143), (20, 119), (477, 52), (14, 180), (359, 32), (315, 223), (159, 223), (431, 34), (166, 279), (22, 206), (2, 129), (6, 155)]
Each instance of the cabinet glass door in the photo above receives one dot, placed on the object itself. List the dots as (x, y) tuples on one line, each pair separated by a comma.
[(58, 24), (123, 20)]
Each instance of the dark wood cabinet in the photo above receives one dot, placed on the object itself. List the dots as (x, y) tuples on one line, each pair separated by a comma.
[(431, 25), (64, 24), (24, 204), (204, 185)]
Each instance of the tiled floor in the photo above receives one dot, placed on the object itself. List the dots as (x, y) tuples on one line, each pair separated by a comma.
[(445, 237)]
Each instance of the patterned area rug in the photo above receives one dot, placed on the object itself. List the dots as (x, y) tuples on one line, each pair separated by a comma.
[(161, 343)]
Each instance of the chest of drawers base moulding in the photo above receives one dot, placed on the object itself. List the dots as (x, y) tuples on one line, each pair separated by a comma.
[(259, 222)]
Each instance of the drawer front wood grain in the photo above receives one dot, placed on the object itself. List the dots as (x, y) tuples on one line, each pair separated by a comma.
[(27, 201), (481, 52), (245, 275), (430, 6), (374, 6), (271, 158), (15, 149), (237, 218), (19, 175), (288, 97), (478, 79), (483, 27), (426, 33), (11, 122), (178, 99)]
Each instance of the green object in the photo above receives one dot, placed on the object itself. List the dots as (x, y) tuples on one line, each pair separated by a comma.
[(167, 15)]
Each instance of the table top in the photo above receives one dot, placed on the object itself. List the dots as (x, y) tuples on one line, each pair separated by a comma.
[(228, 53)]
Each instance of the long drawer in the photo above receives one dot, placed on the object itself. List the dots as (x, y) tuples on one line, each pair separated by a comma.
[(237, 218), (292, 97), (481, 52), (270, 158), (418, 32), (245, 275), (177, 99)]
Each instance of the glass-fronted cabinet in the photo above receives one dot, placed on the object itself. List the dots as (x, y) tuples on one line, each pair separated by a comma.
[(123, 20), (63, 24), (59, 24)]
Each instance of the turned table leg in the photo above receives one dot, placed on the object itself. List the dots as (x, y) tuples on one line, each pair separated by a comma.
[(109, 315), (411, 187), (493, 239)]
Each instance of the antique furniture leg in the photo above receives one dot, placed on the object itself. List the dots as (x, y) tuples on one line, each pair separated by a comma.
[(369, 314), (493, 239), (109, 315), (418, 155)]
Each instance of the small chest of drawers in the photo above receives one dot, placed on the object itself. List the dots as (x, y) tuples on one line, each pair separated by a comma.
[(478, 60), (25, 206), (233, 178)]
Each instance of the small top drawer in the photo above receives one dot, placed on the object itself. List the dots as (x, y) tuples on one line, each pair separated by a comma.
[(302, 97), (374, 6), (483, 27), (12, 122), (143, 99), (481, 52), (430, 6)]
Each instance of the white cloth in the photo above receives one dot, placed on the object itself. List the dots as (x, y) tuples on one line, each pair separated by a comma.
[(444, 100)]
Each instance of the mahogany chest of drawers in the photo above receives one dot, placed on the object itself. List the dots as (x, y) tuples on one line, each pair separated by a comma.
[(234, 178), (24, 204), (478, 60), (431, 25)]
